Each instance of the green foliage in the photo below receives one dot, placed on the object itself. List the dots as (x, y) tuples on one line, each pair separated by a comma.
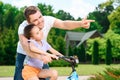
[(71, 51), (102, 46), (115, 42), (59, 63), (100, 15), (109, 74), (82, 53), (78, 54), (60, 43), (63, 15), (2, 51), (10, 43), (108, 53), (46, 9), (95, 54), (19, 17), (114, 19), (57, 42)]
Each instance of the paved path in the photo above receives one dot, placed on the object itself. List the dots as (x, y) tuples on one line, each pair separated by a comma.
[(59, 78)]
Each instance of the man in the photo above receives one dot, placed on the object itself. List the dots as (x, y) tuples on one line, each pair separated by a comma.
[(33, 15)]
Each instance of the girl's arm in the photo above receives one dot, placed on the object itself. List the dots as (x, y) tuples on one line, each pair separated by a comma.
[(33, 48)]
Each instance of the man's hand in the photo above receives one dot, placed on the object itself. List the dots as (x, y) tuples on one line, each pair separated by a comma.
[(86, 23)]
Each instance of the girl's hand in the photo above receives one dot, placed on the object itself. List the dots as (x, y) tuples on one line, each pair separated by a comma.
[(54, 57), (46, 59)]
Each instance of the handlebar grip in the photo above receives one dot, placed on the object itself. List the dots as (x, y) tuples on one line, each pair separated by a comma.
[(53, 58)]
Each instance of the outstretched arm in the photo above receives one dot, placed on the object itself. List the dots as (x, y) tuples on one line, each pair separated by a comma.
[(69, 24)]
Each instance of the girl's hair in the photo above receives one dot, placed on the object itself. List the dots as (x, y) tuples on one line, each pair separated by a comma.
[(30, 10), (27, 30)]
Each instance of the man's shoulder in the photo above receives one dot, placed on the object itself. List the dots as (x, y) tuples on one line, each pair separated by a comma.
[(49, 20), (48, 17), (24, 23)]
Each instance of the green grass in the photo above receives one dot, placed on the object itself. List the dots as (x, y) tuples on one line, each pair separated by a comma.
[(82, 69), (6, 71)]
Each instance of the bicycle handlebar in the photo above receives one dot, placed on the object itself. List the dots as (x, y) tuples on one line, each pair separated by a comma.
[(70, 59)]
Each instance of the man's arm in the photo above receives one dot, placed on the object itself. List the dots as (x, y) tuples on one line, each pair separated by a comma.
[(25, 46), (69, 25)]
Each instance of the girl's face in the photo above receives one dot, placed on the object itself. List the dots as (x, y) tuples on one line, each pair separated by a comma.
[(37, 33), (37, 19)]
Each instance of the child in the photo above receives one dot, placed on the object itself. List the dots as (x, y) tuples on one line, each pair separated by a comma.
[(33, 67)]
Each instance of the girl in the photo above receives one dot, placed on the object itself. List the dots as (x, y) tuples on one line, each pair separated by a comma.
[(32, 66)]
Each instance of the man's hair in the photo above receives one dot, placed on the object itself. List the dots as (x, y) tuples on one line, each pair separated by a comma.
[(30, 10), (27, 30)]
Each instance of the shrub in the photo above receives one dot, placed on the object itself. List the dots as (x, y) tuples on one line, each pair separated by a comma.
[(108, 74), (60, 63), (95, 54), (108, 52)]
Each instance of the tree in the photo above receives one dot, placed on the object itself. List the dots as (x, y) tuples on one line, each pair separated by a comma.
[(60, 43), (10, 43), (19, 18), (100, 15), (115, 42), (2, 51), (1, 15), (78, 53), (46, 9), (9, 16), (114, 19), (64, 15), (71, 51), (82, 53), (95, 54), (108, 52), (112, 7)]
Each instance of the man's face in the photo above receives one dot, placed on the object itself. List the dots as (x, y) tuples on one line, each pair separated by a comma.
[(37, 19)]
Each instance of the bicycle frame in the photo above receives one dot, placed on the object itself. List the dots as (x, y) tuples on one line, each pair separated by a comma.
[(72, 61)]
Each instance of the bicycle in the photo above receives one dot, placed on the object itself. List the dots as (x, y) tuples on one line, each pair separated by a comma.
[(73, 62)]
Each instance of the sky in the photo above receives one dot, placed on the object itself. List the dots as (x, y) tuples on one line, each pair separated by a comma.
[(77, 8)]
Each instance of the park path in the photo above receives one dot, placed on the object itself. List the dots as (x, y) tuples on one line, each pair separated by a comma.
[(59, 78)]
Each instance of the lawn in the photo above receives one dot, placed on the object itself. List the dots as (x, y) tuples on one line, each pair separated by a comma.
[(82, 69)]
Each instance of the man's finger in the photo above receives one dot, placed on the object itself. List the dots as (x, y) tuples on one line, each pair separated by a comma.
[(91, 20)]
